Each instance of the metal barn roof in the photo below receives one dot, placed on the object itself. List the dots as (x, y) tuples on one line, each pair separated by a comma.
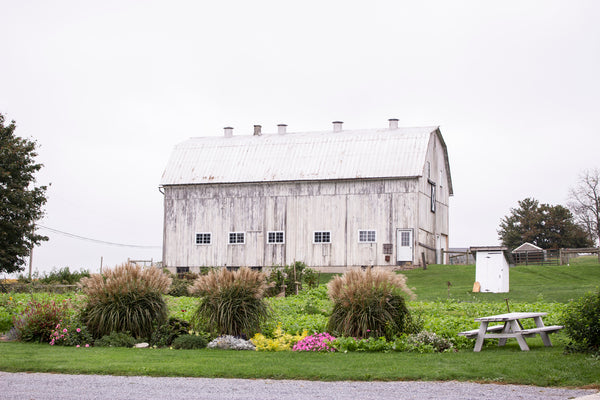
[(301, 156)]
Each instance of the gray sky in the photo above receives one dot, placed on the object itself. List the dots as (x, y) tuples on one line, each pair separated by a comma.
[(108, 88)]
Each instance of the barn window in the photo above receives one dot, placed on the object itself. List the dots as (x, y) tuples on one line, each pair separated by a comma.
[(236, 238), (275, 237), (367, 236), (181, 271), (203, 238), (432, 184), (322, 237)]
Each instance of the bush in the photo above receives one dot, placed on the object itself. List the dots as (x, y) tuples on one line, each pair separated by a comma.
[(126, 299), (280, 341), (164, 335), (232, 303), (422, 342), (581, 319), (190, 341), (64, 276), (288, 276), (70, 332), (38, 320), (317, 342), (181, 283), (116, 339), (369, 303)]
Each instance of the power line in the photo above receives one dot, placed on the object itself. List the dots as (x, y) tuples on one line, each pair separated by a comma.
[(72, 235)]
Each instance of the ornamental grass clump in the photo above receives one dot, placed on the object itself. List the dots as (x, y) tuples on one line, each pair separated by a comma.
[(127, 298), (231, 302), (369, 303)]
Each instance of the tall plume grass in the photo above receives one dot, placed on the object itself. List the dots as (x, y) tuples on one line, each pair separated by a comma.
[(369, 303), (232, 302), (127, 298)]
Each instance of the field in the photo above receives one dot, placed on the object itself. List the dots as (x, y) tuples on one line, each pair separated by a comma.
[(444, 312)]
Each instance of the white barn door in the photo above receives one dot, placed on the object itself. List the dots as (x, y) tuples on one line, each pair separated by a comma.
[(404, 245)]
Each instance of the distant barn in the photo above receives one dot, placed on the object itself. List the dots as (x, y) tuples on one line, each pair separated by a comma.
[(528, 253), (334, 200)]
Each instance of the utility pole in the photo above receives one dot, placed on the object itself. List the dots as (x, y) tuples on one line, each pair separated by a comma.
[(31, 251)]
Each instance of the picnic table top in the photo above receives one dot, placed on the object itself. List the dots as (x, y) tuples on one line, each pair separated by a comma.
[(511, 316)]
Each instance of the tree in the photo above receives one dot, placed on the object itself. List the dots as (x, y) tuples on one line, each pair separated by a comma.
[(544, 225), (20, 201), (584, 202)]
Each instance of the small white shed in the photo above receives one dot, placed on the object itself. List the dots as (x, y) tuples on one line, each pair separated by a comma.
[(492, 268)]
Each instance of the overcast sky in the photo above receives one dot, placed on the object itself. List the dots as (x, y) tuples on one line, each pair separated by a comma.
[(108, 88)]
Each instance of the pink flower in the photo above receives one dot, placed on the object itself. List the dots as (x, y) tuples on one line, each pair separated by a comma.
[(87, 345), (65, 330), (78, 330), (78, 346)]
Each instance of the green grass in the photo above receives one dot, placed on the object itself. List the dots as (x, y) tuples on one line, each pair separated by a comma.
[(527, 283), (541, 366)]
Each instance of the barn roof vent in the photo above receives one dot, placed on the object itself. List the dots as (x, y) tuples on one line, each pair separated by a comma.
[(337, 126), (228, 131), (393, 123), (281, 128), (257, 131)]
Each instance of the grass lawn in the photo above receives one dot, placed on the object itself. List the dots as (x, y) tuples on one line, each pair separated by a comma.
[(527, 283), (541, 366)]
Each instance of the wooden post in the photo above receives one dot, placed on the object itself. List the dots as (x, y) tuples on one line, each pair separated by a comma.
[(423, 260)]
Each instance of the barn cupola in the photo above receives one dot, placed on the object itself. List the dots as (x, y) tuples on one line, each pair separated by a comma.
[(393, 123), (281, 128), (337, 126), (257, 130), (228, 131)]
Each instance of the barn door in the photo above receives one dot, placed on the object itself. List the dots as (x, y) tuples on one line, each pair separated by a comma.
[(404, 245)]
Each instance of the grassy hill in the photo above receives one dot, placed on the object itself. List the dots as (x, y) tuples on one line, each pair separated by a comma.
[(527, 283)]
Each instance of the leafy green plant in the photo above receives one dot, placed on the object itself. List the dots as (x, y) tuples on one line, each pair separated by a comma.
[(581, 319), (164, 335), (38, 320), (372, 344), (70, 332), (64, 276), (190, 342), (116, 339), (281, 341), (232, 302), (180, 283), (125, 299), (422, 342), (369, 303), (290, 277)]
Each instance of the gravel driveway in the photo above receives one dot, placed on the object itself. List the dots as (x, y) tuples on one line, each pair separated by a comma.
[(37, 386)]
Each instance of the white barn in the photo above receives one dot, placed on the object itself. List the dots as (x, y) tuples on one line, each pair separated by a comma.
[(334, 200)]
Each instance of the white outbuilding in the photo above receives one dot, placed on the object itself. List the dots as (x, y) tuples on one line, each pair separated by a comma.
[(492, 265)]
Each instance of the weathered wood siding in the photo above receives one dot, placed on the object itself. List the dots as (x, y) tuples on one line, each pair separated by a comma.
[(301, 208)]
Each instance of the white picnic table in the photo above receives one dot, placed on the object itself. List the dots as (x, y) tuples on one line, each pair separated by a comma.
[(511, 329)]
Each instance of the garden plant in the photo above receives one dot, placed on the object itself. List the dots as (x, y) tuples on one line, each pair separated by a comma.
[(231, 302), (125, 299)]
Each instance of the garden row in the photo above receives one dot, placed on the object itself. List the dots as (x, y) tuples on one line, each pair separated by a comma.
[(360, 311)]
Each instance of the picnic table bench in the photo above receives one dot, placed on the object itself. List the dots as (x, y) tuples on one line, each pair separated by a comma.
[(511, 329)]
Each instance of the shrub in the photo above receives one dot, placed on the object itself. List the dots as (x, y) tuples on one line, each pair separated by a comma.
[(422, 342), (164, 335), (369, 303), (371, 344), (70, 332), (232, 302), (181, 283), (317, 342), (64, 276), (38, 320), (116, 339), (581, 319), (126, 299), (190, 341), (280, 341), (291, 275)]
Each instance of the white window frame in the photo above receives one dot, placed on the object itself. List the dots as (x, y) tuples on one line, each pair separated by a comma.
[(321, 234), (370, 236), (203, 243), (275, 234), (236, 241)]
